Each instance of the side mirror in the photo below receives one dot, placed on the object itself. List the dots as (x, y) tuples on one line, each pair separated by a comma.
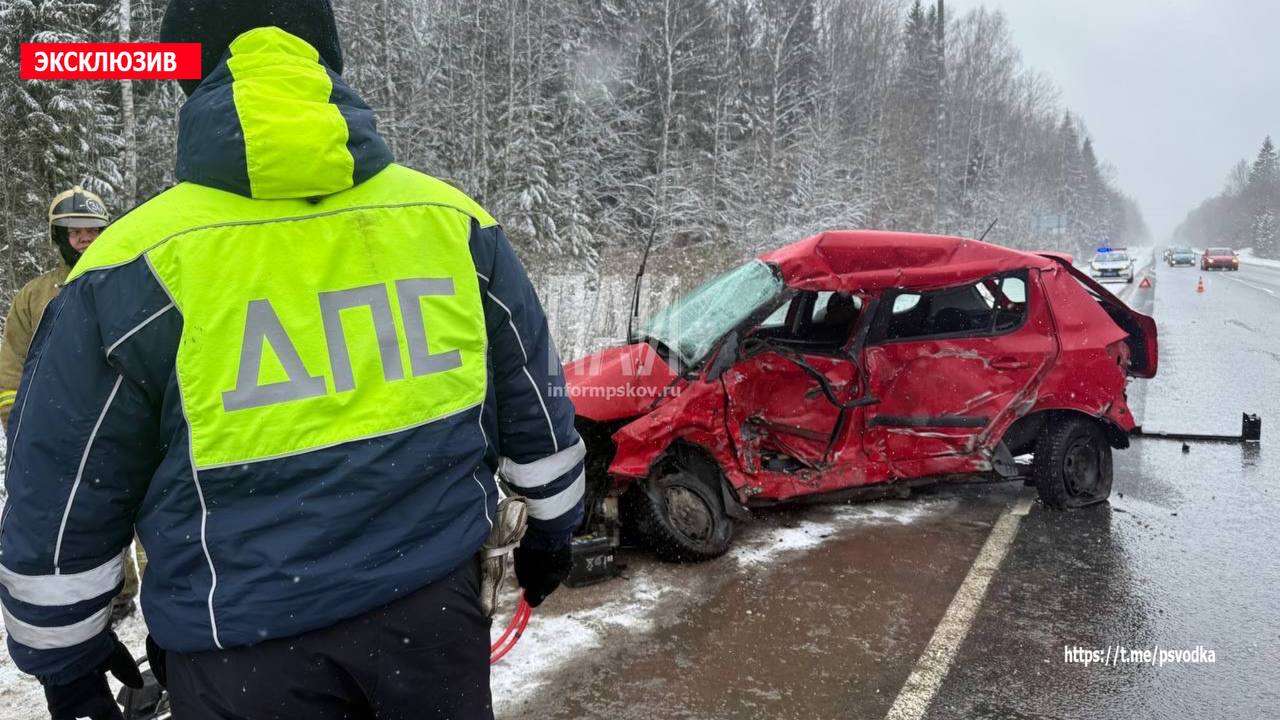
[(725, 357)]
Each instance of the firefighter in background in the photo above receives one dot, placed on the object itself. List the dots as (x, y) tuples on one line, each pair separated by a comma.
[(296, 375), (76, 218)]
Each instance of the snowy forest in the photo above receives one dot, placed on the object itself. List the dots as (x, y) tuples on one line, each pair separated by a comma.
[(590, 125), (1247, 211)]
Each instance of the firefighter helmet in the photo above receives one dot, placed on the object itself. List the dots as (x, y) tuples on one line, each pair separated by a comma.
[(77, 208)]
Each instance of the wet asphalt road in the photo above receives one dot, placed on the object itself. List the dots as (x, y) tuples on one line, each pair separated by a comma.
[(1185, 556)]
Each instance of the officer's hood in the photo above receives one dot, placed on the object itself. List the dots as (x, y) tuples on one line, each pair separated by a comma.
[(271, 122)]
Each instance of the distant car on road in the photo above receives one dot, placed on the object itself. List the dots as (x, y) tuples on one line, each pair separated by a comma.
[(1112, 264), (852, 364), (1219, 258), (1176, 257)]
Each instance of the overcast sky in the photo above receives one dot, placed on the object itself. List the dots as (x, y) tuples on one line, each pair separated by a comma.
[(1174, 92)]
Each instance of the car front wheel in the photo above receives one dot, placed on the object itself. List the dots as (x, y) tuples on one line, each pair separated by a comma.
[(1072, 465), (679, 515)]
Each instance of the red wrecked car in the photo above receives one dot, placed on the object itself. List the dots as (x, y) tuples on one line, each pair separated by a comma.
[(852, 363)]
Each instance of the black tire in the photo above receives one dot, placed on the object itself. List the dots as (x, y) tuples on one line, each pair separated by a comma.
[(679, 515), (1072, 465)]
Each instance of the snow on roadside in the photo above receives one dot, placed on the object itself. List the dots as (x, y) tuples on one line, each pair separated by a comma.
[(767, 546), (1248, 258)]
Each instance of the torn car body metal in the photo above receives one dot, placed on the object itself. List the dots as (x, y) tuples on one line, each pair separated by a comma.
[(854, 360)]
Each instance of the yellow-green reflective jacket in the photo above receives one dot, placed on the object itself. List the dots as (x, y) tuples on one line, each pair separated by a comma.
[(296, 373)]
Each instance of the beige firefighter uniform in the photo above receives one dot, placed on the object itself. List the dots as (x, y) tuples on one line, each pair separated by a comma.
[(24, 315)]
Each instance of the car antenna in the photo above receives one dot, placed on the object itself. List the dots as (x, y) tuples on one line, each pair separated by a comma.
[(635, 293), (990, 227)]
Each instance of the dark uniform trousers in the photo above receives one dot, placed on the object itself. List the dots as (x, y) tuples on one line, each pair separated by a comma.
[(425, 655)]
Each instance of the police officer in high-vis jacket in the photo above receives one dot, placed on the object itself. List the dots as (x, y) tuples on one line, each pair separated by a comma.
[(295, 374)]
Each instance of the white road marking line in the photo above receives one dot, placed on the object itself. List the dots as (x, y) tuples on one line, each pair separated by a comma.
[(932, 667), (1268, 291)]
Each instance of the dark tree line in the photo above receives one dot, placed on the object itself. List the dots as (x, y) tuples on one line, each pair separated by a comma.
[(1247, 211), (588, 123)]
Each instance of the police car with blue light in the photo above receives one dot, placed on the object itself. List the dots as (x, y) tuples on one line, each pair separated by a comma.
[(1112, 264)]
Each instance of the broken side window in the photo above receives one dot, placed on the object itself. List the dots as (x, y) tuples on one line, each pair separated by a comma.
[(992, 306), (1010, 305), (815, 322)]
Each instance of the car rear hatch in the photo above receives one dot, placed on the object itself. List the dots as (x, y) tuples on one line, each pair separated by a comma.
[(1142, 340)]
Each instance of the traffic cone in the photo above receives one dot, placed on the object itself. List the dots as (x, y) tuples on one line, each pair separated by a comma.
[(1200, 285), (1146, 283)]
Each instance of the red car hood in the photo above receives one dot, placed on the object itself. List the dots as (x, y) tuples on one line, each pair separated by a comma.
[(620, 382)]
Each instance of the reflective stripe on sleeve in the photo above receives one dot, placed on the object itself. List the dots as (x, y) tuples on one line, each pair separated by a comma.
[(66, 589), (52, 638), (541, 472), (560, 503)]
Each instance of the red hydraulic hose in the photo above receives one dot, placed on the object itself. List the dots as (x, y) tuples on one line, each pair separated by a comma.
[(512, 634)]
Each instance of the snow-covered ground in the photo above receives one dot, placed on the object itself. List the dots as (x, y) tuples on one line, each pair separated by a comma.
[(1248, 258)]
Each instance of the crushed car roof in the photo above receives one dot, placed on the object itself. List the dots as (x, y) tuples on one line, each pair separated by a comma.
[(868, 260)]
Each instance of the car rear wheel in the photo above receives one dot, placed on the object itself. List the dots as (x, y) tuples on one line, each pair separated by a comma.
[(1072, 465), (679, 515)]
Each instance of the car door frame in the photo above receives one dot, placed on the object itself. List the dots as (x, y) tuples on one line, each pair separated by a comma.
[(877, 427), (850, 351)]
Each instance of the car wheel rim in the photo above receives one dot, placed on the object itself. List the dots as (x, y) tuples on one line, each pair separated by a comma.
[(1081, 468), (689, 513)]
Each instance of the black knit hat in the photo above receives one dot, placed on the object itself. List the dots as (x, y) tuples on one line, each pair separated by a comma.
[(215, 23)]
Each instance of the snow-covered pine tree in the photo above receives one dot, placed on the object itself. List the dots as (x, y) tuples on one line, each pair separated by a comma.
[(1262, 194), (55, 133)]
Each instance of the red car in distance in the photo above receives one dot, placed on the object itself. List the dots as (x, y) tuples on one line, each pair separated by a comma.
[(850, 364), (1219, 259)]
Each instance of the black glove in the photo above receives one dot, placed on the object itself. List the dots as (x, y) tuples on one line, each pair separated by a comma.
[(155, 660), (540, 572), (89, 695)]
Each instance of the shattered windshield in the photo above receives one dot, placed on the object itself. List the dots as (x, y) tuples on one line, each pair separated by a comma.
[(695, 322)]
